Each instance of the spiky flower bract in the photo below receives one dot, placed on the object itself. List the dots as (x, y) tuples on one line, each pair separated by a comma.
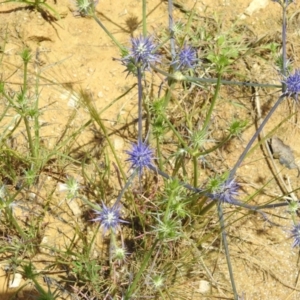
[(186, 58), (140, 156), (158, 281), (119, 254), (293, 207), (109, 217), (295, 234), (292, 83), (85, 7), (168, 229), (141, 54), (225, 192), (72, 186), (284, 2)]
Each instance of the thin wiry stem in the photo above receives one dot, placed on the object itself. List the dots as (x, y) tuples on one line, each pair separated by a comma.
[(209, 195), (171, 29), (212, 105), (195, 164), (128, 183), (284, 62), (140, 103), (107, 32), (133, 285), (213, 80), (242, 156), (186, 185), (144, 18), (227, 255)]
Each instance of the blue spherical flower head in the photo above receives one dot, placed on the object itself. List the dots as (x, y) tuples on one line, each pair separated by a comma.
[(141, 54), (284, 2), (186, 58), (226, 192), (109, 217), (292, 83), (140, 156), (295, 234)]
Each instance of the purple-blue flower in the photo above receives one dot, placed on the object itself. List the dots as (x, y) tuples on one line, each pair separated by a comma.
[(140, 156), (109, 217), (186, 58), (295, 234), (286, 2), (292, 83), (226, 192), (142, 53)]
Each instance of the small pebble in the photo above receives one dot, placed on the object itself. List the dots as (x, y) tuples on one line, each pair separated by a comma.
[(204, 287)]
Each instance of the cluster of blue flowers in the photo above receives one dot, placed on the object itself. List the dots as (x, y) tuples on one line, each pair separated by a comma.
[(142, 54)]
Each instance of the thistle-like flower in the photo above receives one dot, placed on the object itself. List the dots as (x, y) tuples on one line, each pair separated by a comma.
[(284, 2), (109, 217), (295, 234), (292, 83), (158, 281), (140, 156), (168, 230), (226, 192), (120, 254), (141, 54), (72, 186), (186, 58), (85, 7)]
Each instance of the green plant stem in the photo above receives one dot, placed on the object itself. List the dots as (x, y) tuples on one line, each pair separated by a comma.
[(24, 91), (171, 30), (94, 114), (159, 154), (108, 33), (179, 162), (213, 80), (36, 119), (186, 185), (140, 104), (224, 239), (128, 183), (145, 262), (15, 223), (29, 136), (115, 100), (207, 208), (176, 133), (197, 154), (161, 294), (113, 244), (284, 8), (41, 290), (144, 18), (112, 148), (195, 163), (213, 103)]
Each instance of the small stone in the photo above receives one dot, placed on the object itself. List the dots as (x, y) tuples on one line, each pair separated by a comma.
[(32, 196), (15, 281), (255, 5), (74, 207), (204, 287), (100, 95), (118, 143)]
